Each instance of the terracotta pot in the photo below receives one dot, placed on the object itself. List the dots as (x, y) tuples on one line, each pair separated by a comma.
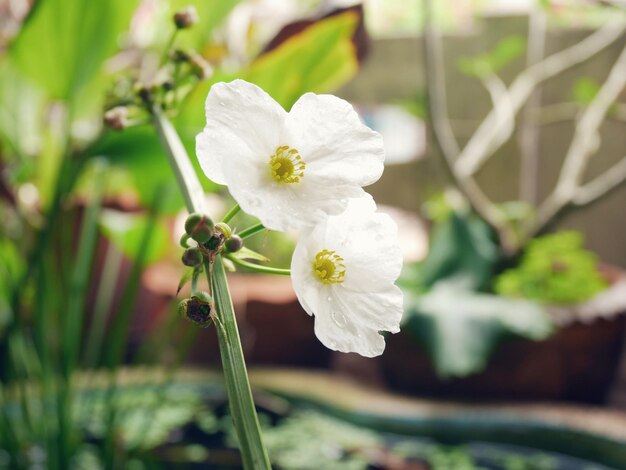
[(578, 363)]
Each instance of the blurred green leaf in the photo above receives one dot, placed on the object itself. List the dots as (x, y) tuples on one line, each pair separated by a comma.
[(505, 51), (138, 151), (126, 232), (11, 267), (585, 90), (20, 114), (211, 14), (555, 269), (460, 245), (64, 43), (309, 440), (319, 59), (460, 327), (446, 312)]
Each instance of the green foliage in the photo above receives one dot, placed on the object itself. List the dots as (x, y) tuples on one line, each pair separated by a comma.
[(137, 152), (460, 327), (585, 90), (475, 457), (505, 52), (461, 245), (554, 269), (211, 14), (318, 59), (126, 231), (446, 311), (64, 43), (144, 416), (309, 440)]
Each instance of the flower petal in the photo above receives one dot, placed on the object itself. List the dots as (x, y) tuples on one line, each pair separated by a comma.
[(284, 206), (243, 123), (332, 140), (349, 315), (350, 323)]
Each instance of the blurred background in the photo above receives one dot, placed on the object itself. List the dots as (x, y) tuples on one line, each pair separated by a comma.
[(504, 125)]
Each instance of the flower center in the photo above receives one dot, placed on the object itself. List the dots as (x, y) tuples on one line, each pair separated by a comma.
[(329, 268), (287, 165)]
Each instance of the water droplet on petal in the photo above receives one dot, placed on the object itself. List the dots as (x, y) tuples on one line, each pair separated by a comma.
[(339, 319)]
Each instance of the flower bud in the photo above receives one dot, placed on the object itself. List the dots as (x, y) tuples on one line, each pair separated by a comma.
[(234, 243), (116, 118), (186, 18), (199, 227), (197, 309), (213, 243), (224, 229), (192, 257), (180, 55), (200, 67)]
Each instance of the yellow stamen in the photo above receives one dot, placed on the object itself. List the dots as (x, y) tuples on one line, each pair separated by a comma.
[(286, 165), (329, 268)]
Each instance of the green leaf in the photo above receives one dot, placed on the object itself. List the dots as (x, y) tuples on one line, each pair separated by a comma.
[(211, 14), (20, 114), (247, 254), (460, 245), (507, 50), (554, 269), (64, 43), (585, 90), (319, 59), (137, 150), (186, 277), (126, 232), (460, 327)]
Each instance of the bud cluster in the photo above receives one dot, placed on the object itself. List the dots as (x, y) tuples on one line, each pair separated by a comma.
[(197, 309)]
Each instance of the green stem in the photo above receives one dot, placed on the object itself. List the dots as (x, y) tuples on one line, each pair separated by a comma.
[(231, 213), (251, 231), (168, 47), (236, 380), (104, 299), (258, 267)]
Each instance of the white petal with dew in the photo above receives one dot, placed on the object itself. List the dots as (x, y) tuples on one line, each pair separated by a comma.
[(243, 123), (333, 141)]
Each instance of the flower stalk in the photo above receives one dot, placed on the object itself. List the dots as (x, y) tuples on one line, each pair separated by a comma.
[(259, 268), (242, 408)]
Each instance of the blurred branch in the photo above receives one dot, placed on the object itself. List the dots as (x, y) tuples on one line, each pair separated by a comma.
[(529, 130), (481, 145), (560, 112), (602, 185), (443, 135), (435, 80), (584, 144), (502, 106)]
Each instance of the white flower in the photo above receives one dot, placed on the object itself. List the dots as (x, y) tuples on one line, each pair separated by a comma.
[(343, 272), (291, 170)]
